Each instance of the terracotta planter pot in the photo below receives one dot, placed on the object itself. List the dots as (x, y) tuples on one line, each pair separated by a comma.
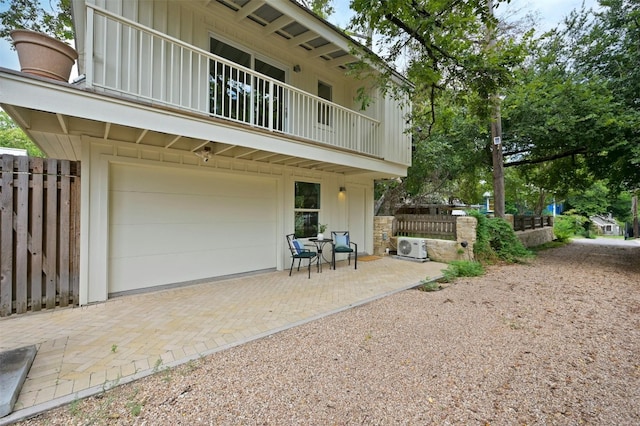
[(43, 56)]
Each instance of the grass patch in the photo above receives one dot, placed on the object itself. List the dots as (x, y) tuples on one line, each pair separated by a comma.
[(430, 286), (462, 268)]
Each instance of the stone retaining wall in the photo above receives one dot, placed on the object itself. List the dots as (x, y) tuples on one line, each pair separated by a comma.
[(532, 237), (536, 237), (437, 250), (447, 250)]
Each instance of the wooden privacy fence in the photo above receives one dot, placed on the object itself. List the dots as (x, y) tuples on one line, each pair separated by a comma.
[(523, 223), (39, 233), (427, 226)]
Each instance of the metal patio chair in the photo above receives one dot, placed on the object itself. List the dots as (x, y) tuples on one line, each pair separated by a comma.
[(342, 244), (298, 251)]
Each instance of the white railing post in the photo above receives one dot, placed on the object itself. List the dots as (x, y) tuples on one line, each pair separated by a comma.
[(359, 133), (88, 59), (270, 115)]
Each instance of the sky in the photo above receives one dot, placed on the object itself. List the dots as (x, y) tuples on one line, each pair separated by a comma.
[(550, 12)]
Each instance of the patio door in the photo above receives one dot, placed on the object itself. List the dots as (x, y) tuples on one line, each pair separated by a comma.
[(240, 95), (269, 96)]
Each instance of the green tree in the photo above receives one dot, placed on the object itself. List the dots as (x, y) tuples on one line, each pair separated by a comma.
[(458, 57), (322, 8), (602, 48), (451, 159), (11, 136), (56, 20), (592, 201), (444, 45), (620, 207), (570, 121)]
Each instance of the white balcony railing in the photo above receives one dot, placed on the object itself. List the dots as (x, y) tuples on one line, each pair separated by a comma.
[(135, 61)]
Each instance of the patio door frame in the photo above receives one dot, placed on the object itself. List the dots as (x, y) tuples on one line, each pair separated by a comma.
[(279, 125)]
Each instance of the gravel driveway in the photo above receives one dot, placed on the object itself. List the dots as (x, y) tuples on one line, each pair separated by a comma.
[(555, 341)]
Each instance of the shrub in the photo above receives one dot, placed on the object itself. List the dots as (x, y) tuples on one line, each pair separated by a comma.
[(482, 247), (568, 225), (504, 242), (563, 228), (496, 240), (462, 268)]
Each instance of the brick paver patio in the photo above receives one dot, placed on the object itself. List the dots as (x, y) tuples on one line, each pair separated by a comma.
[(82, 351)]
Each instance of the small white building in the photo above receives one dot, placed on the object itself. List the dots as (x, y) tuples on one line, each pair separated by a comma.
[(606, 224), (207, 131)]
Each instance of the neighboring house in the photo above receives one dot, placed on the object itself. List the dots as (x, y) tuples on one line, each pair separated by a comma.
[(207, 130), (606, 224)]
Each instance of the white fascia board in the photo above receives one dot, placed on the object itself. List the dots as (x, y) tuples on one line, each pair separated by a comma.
[(327, 30), (313, 23), (64, 99)]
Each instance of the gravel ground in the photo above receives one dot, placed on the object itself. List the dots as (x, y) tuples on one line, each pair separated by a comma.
[(555, 341)]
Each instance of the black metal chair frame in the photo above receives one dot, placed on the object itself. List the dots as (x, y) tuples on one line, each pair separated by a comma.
[(302, 254), (334, 235)]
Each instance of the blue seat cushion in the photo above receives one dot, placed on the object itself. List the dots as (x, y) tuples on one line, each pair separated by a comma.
[(297, 246), (342, 243), (301, 251)]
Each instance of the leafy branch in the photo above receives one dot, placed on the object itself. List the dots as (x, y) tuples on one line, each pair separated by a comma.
[(54, 20)]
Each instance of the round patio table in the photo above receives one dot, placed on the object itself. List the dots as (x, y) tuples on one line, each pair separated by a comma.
[(320, 245)]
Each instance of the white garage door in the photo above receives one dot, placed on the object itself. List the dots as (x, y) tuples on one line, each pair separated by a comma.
[(169, 225)]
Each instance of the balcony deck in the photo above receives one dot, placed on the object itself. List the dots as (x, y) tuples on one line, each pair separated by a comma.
[(154, 67)]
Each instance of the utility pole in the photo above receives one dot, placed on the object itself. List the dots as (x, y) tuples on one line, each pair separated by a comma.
[(498, 162), (496, 136), (634, 214)]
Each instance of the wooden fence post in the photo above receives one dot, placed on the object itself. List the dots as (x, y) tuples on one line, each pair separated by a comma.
[(37, 215), (6, 236), (51, 225), (22, 225)]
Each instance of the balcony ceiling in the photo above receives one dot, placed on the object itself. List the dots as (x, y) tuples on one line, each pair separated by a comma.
[(58, 116), (332, 48), (59, 136)]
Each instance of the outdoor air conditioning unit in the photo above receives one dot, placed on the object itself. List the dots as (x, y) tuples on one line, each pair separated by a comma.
[(415, 248)]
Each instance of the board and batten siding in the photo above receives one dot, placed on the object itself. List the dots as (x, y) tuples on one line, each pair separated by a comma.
[(169, 225), (396, 124), (149, 69), (137, 64)]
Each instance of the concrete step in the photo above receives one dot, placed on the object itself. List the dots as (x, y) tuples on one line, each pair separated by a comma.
[(14, 366)]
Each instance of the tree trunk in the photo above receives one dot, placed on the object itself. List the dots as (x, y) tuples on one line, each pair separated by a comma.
[(634, 211)]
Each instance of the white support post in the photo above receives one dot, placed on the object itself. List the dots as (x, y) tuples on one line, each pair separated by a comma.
[(88, 58)]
